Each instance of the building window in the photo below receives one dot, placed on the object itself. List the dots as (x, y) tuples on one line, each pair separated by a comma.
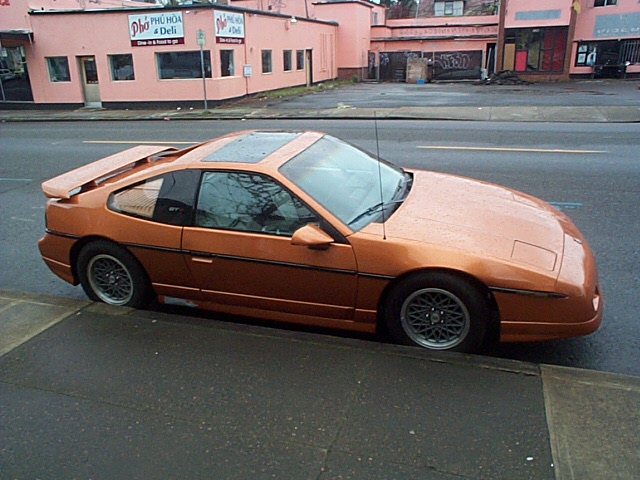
[(587, 55), (183, 65), (630, 51), (58, 69), (226, 63), (608, 53), (535, 49), (443, 8), (121, 67), (287, 60), (267, 66), (299, 59), (604, 3)]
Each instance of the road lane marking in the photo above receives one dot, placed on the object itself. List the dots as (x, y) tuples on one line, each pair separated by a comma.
[(137, 142), (509, 149), (4, 179)]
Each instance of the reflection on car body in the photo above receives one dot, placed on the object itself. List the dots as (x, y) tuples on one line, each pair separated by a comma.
[(302, 227)]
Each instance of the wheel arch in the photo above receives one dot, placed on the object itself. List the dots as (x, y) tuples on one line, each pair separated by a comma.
[(83, 242), (493, 329)]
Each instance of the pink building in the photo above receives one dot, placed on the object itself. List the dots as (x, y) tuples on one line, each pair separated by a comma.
[(558, 38), (144, 54), (122, 53), (606, 40)]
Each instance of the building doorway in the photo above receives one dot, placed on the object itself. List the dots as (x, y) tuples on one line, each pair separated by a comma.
[(14, 75), (308, 64), (90, 85), (490, 59)]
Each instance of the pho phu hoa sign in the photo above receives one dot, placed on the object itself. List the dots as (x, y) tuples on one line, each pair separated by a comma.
[(156, 29), (229, 27)]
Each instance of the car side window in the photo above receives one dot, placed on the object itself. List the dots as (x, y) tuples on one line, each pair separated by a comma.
[(249, 202), (165, 199)]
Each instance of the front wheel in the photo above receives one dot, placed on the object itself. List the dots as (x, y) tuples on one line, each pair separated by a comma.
[(437, 311), (110, 274)]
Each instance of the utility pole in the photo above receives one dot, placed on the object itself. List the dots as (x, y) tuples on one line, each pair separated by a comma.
[(502, 13)]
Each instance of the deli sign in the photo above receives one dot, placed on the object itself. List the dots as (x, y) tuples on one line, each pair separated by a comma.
[(229, 27), (156, 29)]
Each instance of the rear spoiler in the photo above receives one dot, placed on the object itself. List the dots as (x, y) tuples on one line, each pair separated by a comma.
[(71, 183)]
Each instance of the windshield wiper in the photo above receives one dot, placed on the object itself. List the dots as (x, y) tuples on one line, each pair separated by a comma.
[(374, 209)]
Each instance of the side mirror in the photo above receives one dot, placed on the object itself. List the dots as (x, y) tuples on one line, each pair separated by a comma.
[(311, 236)]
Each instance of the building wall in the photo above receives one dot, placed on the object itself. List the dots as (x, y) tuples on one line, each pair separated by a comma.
[(13, 15), (354, 36), (297, 8), (541, 13)]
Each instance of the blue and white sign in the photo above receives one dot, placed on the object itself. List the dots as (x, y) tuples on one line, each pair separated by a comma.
[(616, 26)]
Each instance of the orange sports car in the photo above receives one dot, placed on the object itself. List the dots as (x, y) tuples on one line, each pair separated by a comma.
[(302, 227)]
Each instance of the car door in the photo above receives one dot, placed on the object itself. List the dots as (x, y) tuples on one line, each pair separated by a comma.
[(240, 252)]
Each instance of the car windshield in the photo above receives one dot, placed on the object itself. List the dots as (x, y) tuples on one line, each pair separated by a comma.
[(351, 184)]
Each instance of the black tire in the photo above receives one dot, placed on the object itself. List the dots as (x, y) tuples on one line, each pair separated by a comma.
[(437, 311), (110, 274)]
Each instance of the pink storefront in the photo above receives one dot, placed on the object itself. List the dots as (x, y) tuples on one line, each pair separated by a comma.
[(146, 55), (606, 41), (556, 39)]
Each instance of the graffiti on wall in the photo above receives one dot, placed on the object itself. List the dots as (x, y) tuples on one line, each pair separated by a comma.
[(457, 65), (452, 60)]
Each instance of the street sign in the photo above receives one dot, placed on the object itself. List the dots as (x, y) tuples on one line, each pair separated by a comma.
[(200, 37)]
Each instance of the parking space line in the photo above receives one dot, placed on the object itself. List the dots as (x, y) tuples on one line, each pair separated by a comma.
[(509, 149)]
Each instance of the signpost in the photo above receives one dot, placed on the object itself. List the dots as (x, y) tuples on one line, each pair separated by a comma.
[(200, 38)]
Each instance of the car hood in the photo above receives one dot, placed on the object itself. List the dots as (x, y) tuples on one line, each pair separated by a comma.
[(482, 218)]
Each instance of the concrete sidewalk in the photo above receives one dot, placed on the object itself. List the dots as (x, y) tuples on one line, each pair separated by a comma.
[(567, 114), (91, 391)]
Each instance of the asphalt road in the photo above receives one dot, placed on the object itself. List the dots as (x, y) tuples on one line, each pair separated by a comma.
[(590, 171)]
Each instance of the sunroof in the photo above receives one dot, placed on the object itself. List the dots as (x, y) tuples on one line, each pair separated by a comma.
[(252, 147)]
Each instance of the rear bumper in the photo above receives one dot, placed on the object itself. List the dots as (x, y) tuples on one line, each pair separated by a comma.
[(56, 253)]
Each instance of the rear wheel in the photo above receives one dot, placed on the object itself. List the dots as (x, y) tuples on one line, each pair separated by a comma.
[(110, 274), (437, 311)]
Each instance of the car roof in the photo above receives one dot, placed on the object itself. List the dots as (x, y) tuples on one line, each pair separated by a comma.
[(249, 147)]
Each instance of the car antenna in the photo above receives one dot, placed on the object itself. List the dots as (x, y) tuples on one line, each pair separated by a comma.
[(375, 121)]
